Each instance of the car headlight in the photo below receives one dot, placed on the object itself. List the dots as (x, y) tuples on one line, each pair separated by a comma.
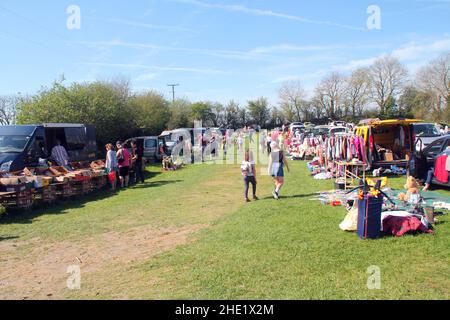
[(6, 166)]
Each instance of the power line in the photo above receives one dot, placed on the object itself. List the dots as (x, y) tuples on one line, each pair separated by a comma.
[(173, 90)]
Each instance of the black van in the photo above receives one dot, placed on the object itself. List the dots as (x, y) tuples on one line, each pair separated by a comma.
[(23, 145)]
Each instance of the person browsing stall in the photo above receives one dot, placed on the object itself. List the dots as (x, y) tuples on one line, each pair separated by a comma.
[(59, 154), (124, 161), (138, 154)]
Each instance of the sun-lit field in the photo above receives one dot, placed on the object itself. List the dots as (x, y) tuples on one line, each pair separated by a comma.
[(188, 234)]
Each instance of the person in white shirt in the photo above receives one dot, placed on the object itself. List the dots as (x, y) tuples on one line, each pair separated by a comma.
[(248, 170)]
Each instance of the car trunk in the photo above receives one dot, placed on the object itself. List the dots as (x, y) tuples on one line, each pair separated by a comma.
[(393, 145)]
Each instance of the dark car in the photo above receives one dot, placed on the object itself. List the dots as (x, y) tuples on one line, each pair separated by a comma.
[(423, 160), (23, 145), (435, 148)]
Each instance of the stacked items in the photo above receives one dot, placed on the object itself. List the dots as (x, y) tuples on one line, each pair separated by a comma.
[(65, 190), (48, 194), (20, 189)]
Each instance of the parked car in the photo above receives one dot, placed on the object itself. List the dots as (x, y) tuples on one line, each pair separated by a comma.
[(435, 148), (396, 135), (321, 131), (23, 145), (427, 132), (169, 139), (297, 128), (338, 130), (150, 146), (425, 159)]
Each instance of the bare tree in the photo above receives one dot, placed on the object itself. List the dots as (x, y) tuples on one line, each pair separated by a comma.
[(8, 109), (292, 100), (388, 76), (358, 89), (331, 91), (435, 79)]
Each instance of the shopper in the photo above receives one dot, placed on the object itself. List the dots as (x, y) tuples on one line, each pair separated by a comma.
[(248, 170), (124, 161), (59, 154), (111, 165), (277, 162), (137, 158)]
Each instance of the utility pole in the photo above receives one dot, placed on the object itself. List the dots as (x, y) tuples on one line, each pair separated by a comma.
[(173, 90)]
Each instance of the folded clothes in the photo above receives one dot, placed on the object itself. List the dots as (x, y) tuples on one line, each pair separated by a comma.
[(441, 205), (323, 176)]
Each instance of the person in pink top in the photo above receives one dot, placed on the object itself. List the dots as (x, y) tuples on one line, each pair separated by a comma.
[(124, 160)]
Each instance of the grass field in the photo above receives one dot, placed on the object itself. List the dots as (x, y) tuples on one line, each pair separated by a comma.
[(188, 234)]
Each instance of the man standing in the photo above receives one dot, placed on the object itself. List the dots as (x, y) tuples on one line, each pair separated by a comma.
[(137, 159), (59, 154)]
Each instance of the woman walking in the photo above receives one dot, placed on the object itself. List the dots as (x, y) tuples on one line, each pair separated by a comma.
[(111, 165), (124, 160), (277, 162)]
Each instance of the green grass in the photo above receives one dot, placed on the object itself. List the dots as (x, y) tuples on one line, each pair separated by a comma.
[(287, 249)]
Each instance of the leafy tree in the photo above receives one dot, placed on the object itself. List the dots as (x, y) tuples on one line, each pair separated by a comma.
[(259, 111), (232, 115), (202, 111), (180, 112), (101, 104), (151, 112)]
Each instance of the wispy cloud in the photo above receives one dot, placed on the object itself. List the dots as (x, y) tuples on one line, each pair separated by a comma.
[(140, 24), (267, 13), (150, 67), (230, 54), (259, 53), (145, 77), (413, 50), (291, 47), (411, 53)]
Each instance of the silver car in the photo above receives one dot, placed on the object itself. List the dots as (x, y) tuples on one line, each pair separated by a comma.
[(425, 134)]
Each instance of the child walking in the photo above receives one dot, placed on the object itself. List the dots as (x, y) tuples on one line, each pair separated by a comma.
[(248, 170)]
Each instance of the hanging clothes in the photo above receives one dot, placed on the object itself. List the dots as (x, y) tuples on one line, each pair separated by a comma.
[(440, 170)]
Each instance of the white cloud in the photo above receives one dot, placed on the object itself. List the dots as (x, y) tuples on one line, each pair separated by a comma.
[(149, 26), (414, 51), (261, 12), (412, 54), (286, 79), (145, 77), (229, 54), (291, 47), (149, 67)]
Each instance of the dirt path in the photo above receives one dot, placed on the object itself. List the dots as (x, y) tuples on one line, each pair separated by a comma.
[(41, 273)]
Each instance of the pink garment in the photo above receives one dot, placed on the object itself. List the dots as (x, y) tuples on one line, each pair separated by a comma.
[(398, 226), (126, 158)]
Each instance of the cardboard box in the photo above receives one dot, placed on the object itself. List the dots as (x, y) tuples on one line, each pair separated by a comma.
[(389, 156)]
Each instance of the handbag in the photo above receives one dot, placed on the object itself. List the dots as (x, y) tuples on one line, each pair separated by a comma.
[(112, 176)]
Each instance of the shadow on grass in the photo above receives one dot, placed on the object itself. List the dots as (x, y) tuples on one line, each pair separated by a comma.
[(8, 238), (153, 184), (297, 196), (62, 206)]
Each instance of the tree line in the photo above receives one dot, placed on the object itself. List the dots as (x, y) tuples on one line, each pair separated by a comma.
[(385, 89)]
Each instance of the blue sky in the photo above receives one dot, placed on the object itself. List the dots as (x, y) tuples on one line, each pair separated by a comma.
[(215, 49)]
